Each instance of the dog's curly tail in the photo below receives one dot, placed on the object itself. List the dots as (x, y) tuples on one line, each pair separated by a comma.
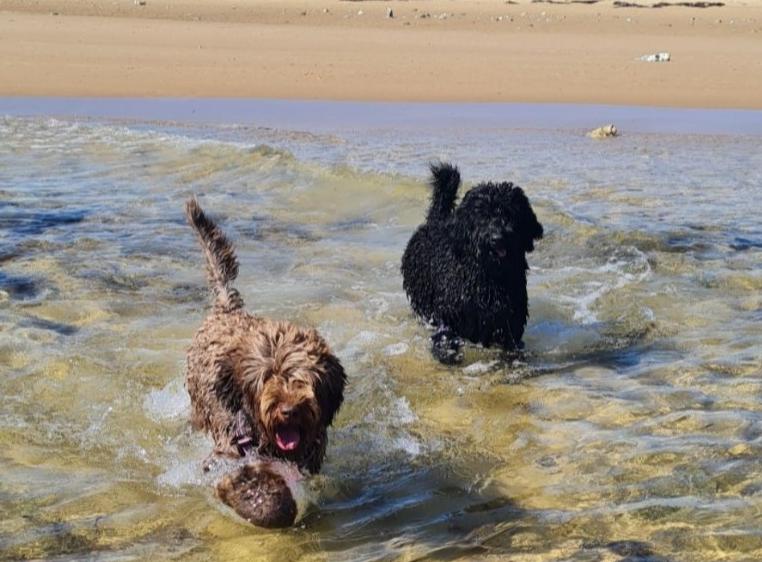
[(221, 263), (445, 180)]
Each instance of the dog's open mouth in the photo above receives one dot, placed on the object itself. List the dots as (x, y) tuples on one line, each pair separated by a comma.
[(287, 438), (500, 249)]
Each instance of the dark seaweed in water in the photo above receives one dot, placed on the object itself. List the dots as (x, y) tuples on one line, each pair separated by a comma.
[(42, 324), (31, 223), (741, 244), (185, 293), (358, 223), (268, 228), (19, 287), (9, 253)]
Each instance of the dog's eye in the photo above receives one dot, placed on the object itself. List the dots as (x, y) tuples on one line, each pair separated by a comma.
[(298, 384)]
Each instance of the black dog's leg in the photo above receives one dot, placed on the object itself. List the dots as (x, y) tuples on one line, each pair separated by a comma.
[(446, 346), (519, 314), (511, 342), (512, 346)]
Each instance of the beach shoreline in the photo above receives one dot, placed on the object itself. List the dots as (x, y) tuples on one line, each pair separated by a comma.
[(430, 50), (340, 117)]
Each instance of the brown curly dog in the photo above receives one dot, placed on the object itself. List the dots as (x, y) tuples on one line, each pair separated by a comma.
[(257, 384)]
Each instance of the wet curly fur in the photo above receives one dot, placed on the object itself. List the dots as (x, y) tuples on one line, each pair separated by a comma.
[(465, 268), (255, 383)]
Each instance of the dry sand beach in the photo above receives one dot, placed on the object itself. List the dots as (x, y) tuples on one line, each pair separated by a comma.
[(430, 50)]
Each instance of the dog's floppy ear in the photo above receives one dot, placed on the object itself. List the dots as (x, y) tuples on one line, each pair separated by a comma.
[(249, 380), (329, 389), (227, 388), (526, 225)]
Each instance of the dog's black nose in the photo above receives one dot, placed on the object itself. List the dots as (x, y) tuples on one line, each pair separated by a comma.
[(287, 411)]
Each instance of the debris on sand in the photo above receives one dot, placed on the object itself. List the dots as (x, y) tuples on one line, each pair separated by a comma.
[(605, 132), (565, 1), (626, 4), (663, 56)]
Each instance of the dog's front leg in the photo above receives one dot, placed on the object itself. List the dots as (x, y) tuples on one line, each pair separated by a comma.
[(211, 461), (447, 346), (509, 343), (219, 455)]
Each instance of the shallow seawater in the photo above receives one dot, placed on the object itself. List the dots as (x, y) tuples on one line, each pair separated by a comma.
[(632, 429)]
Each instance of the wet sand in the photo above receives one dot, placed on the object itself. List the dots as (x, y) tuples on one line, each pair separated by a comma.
[(428, 51)]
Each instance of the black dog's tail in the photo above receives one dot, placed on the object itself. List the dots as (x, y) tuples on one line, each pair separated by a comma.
[(221, 263), (445, 180)]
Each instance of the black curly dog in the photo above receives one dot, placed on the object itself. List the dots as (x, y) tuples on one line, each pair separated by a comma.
[(465, 268)]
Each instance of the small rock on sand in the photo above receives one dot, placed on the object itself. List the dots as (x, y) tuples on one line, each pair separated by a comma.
[(604, 132)]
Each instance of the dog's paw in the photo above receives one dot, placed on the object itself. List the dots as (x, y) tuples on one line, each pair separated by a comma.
[(211, 462), (447, 356), (446, 348)]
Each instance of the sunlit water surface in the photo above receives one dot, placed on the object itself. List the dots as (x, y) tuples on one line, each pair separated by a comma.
[(631, 431)]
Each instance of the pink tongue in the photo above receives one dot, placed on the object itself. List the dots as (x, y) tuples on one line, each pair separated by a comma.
[(287, 439)]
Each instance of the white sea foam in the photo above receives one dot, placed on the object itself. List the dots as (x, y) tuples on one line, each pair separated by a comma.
[(182, 474), (359, 344), (479, 367), (396, 349), (614, 275), (408, 444), (182, 459), (172, 401)]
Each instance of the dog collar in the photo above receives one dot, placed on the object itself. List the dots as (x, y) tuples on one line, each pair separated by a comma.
[(242, 439)]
